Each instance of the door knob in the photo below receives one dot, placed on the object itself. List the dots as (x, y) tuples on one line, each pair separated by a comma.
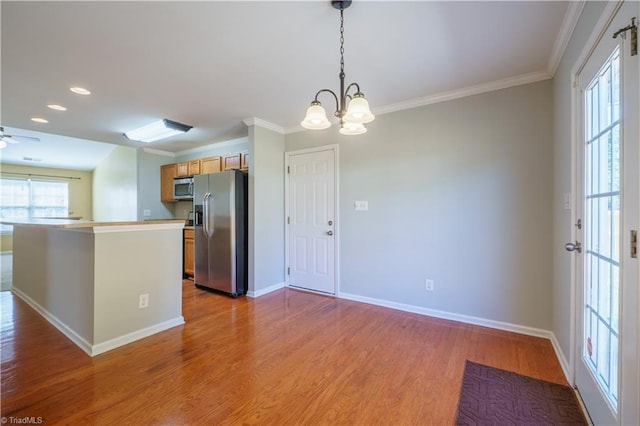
[(571, 247), (329, 232)]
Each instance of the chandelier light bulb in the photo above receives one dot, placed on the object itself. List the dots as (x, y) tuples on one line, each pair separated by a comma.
[(316, 118), (352, 129), (358, 110)]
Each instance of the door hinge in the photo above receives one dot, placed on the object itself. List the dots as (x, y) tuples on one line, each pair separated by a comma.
[(634, 244), (288, 271), (288, 220), (634, 35), (288, 170)]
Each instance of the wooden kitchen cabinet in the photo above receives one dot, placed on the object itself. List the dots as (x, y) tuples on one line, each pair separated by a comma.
[(231, 161), (167, 173), (182, 169), (189, 258), (194, 167), (210, 165), (244, 160)]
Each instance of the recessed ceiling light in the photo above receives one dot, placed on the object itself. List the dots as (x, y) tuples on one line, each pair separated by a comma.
[(80, 91), (39, 120), (57, 107)]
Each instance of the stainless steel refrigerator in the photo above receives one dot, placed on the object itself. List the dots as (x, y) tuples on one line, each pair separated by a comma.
[(220, 231)]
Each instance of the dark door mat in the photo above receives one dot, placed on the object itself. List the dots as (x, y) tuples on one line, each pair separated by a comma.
[(490, 396)]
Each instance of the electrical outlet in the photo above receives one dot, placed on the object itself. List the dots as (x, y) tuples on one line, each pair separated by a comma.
[(143, 302), (429, 285), (146, 212)]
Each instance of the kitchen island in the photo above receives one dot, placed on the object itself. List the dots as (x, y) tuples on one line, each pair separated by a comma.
[(91, 279)]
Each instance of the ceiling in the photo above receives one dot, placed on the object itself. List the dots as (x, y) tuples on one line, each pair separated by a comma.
[(213, 64)]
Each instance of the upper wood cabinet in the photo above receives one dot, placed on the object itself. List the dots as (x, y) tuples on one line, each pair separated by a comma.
[(201, 166), (182, 169), (167, 173), (209, 165), (194, 167), (231, 161), (244, 160)]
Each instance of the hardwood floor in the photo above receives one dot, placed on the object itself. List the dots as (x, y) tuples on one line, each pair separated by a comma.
[(287, 358)]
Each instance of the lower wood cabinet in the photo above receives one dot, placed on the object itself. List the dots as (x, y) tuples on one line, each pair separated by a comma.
[(189, 259)]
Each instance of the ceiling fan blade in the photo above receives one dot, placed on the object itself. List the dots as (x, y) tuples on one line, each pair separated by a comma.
[(17, 139), (8, 139)]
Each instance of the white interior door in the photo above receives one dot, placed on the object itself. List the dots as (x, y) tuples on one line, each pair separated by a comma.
[(311, 220), (606, 359)]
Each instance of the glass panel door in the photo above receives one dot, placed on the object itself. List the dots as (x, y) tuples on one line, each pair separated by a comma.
[(602, 234)]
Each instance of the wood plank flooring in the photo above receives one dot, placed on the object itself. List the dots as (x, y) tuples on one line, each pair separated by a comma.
[(287, 358)]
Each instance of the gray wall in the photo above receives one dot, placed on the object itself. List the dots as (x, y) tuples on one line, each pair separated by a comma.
[(266, 209), (115, 186), (459, 192), (149, 186), (562, 174)]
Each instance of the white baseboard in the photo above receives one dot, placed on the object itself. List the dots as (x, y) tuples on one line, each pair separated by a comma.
[(136, 335), (566, 367), (87, 347), (262, 292), (530, 331), (78, 340)]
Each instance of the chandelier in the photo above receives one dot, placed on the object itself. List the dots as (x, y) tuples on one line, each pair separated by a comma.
[(352, 110)]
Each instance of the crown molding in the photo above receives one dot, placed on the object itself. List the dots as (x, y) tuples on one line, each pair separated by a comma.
[(569, 23), (518, 80), (255, 121), (159, 152)]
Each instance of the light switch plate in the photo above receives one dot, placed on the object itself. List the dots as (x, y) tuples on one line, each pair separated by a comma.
[(361, 205)]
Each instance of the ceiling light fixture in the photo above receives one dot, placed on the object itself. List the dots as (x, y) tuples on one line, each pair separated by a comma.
[(39, 120), (355, 112), (155, 131), (80, 90), (57, 107)]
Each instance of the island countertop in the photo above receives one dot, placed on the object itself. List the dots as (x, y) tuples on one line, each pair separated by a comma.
[(68, 223)]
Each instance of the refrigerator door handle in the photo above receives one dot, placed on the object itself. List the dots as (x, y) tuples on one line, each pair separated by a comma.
[(205, 213), (210, 216)]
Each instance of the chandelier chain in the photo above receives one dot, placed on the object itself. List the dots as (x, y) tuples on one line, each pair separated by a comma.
[(341, 39)]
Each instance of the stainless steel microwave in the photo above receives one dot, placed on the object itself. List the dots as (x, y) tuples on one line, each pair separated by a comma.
[(183, 188)]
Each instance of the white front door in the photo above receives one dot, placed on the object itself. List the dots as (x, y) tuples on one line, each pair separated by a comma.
[(607, 160), (311, 219)]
